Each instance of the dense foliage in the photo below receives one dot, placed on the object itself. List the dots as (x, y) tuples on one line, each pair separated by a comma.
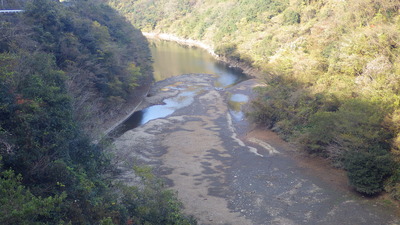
[(53, 56), (93, 45), (333, 71)]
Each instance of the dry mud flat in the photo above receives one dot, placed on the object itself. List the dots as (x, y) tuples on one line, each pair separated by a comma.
[(226, 174)]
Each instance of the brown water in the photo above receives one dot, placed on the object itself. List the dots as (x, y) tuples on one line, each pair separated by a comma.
[(172, 59)]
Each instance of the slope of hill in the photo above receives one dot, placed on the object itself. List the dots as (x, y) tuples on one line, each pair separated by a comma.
[(59, 66), (332, 69)]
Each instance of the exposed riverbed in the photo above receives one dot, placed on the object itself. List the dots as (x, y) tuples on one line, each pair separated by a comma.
[(224, 170)]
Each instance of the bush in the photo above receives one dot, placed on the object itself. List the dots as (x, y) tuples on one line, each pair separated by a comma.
[(152, 203), (19, 206), (291, 17), (367, 171)]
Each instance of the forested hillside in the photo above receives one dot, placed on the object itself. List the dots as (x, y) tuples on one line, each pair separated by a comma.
[(94, 47), (332, 70), (59, 65), (12, 4)]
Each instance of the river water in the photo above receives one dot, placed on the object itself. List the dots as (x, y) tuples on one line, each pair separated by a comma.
[(171, 59)]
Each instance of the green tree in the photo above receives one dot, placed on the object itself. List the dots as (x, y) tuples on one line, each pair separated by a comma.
[(367, 171), (19, 206)]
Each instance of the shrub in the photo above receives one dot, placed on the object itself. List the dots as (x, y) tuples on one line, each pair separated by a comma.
[(291, 17), (368, 170), (19, 206)]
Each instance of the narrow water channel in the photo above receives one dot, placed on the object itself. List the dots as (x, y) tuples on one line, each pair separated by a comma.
[(172, 59)]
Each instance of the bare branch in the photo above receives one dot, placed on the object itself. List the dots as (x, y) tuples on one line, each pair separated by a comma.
[(8, 147)]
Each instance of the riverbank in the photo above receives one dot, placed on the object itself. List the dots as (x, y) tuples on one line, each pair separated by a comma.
[(121, 112), (229, 174)]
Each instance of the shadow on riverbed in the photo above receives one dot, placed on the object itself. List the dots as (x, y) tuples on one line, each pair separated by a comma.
[(132, 122)]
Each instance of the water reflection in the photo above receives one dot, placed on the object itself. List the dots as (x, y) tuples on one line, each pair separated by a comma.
[(235, 104), (171, 105), (239, 98), (154, 112), (171, 59)]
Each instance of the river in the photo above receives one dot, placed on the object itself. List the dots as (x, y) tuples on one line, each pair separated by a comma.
[(191, 129), (171, 59)]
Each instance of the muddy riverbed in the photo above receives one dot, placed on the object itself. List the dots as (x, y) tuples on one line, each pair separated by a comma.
[(226, 171)]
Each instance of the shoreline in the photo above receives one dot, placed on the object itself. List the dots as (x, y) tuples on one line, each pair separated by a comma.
[(194, 152), (183, 41), (129, 114), (113, 119)]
